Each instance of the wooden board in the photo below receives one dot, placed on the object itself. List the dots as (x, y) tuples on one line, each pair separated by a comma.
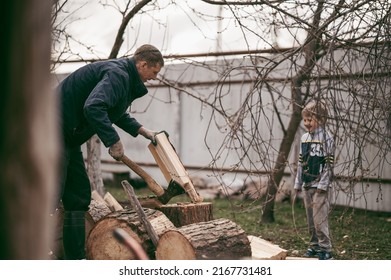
[(214, 240), (171, 166), (265, 250)]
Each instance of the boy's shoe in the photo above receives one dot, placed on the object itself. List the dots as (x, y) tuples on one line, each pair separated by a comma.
[(310, 253), (322, 255)]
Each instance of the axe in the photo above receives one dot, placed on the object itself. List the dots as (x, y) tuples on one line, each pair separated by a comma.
[(163, 195)]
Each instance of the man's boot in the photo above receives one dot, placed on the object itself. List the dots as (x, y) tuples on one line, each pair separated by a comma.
[(74, 235)]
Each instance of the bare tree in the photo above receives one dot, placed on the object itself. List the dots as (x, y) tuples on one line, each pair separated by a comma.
[(339, 52), (340, 36)]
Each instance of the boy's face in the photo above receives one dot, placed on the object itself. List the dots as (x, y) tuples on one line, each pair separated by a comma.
[(310, 123)]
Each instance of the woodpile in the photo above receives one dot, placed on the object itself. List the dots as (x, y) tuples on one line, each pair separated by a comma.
[(101, 244), (190, 226)]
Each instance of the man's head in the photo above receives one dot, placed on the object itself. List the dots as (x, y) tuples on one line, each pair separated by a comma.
[(314, 115), (149, 62)]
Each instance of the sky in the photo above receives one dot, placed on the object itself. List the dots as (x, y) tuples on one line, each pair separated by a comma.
[(174, 29)]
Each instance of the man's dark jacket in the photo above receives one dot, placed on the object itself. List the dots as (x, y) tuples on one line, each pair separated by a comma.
[(95, 97)]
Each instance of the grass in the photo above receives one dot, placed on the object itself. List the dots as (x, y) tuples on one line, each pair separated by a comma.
[(356, 234)]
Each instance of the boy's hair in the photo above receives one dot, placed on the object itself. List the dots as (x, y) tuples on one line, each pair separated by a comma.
[(317, 109), (149, 54)]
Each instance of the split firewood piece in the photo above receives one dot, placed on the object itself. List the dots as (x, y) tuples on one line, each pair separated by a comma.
[(265, 250), (96, 196), (112, 202), (214, 240), (171, 166), (139, 209)]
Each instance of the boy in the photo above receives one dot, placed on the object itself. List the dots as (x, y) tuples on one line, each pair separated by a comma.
[(314, 176)]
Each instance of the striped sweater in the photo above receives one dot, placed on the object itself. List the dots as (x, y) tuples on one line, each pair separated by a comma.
[(316, 160)]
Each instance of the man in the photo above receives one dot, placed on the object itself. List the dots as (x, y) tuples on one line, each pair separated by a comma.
[(92, 99)]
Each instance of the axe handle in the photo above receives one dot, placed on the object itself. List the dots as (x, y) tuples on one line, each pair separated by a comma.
[(152, 184)]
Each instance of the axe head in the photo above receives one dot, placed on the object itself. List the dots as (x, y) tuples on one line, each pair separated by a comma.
[(173, 189)]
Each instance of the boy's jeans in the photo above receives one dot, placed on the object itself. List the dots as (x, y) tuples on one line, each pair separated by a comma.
[(317, 207)]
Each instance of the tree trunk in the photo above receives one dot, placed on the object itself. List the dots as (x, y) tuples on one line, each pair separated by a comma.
[(310, 50), (93, 165), (214, 240), (278, 172), (29, 141)]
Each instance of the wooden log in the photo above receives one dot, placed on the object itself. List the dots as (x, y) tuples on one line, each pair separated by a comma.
[(171, 166), (101, 244), (124, 238), (265, 250), (181, 214), (213, 240)]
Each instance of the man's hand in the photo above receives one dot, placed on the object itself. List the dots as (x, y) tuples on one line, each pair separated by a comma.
[(117, 150), (148, 134)]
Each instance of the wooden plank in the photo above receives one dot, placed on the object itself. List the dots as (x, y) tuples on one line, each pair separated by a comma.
[(171, 166), (160, 163), (169, 160), (265, 250)]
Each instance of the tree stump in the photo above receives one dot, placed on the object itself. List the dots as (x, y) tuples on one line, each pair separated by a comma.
[(181, 214), (101, 244), (218, 239)]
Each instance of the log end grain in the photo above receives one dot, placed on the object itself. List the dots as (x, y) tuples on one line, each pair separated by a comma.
[(174, 246), (102, 246)]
